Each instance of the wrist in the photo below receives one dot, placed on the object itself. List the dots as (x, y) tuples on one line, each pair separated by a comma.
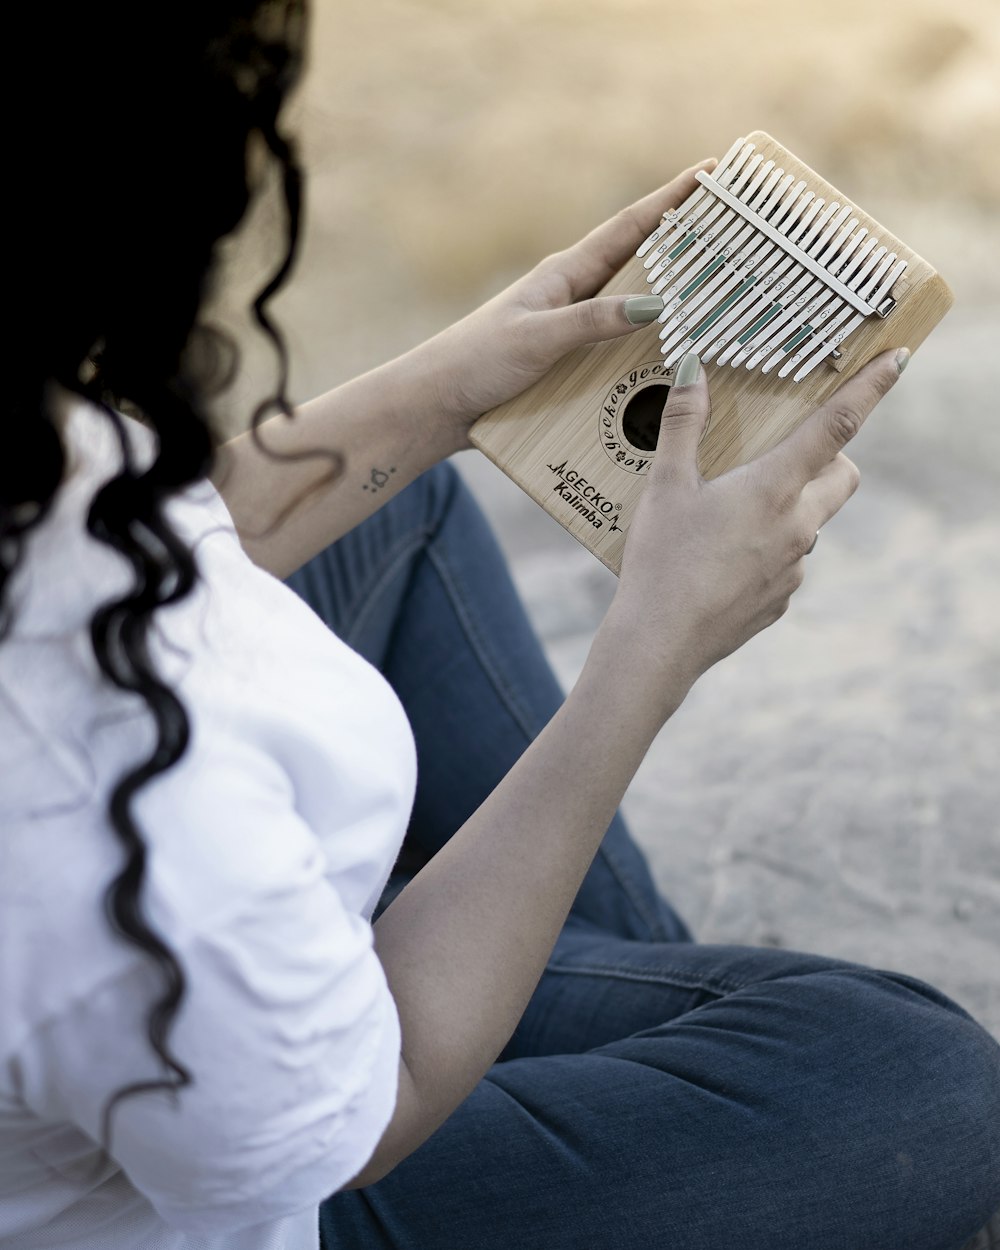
[(647, 675), (413, 385)]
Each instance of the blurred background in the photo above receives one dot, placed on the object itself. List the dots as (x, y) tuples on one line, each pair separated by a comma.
[(834, 786)]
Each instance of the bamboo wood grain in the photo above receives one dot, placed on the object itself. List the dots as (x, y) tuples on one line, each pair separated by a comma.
[(551, 440)]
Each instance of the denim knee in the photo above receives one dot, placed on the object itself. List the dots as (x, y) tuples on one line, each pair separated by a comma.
[(934, 1074)]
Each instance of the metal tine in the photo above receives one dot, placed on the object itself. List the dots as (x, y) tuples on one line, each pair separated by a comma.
[(761, 314), (735, 275), (753, 345), (749, 180), (863, 277), (677, 225), (789, 327), (790, 209), (687, 244), (888, 282), (706, 299), (786, 324), (801, 200), (717, 285), (731, 250), (827, 345), (743, 292), (835, 308), (753, 289), (731, 167), (807, 310), (862, 281), (685, 253), (694, 208), (803, 318), (829, 231), (812, 226), (743, 173), (807, 242), (831, 252), (736, 231), (874, 276), (749, 307), (744, 309), (677, 309), (726, 239), (685, 233), (805, 297), (881, 279), (670, 218), (673, 215), (762, 306), (853, 261)]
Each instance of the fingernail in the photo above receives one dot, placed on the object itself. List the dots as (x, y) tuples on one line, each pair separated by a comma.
[(640, 310), (688, 370), (902, 358)]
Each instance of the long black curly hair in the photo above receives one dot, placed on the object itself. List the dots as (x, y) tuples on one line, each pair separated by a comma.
[(130, 163)]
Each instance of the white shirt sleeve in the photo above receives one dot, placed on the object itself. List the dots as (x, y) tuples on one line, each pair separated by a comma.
[(291, 1037)]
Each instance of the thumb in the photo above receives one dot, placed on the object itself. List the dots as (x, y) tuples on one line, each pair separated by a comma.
[(685, 416), (596, 320)]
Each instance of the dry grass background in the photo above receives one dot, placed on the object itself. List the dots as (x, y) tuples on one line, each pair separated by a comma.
[(451, 143)]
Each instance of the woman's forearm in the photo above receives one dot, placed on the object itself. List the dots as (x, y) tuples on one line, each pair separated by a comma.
[(384, 427), (708, 564), (464, 945)]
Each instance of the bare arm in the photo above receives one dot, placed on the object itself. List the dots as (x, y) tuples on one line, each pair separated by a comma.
[(383, 427), (398, 420), (464, 945)]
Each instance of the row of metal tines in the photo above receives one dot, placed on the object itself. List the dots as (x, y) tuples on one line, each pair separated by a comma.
[(757, 270)]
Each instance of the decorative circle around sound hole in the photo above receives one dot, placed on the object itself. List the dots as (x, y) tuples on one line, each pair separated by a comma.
[(629, 419)]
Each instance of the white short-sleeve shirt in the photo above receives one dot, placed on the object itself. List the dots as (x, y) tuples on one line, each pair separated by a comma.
[(268, 847)]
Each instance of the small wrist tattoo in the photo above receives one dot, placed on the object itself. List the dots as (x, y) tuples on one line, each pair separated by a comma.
[(378, 478)]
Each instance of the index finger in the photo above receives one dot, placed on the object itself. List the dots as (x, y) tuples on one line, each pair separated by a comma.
[(595, 260), (827, 431)]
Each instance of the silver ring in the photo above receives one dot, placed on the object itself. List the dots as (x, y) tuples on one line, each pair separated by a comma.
[(812, 544)]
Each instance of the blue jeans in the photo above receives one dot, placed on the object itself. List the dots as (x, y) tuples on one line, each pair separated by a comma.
[(656, 1093)]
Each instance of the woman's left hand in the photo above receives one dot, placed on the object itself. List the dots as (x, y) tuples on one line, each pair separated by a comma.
[(513, 340)]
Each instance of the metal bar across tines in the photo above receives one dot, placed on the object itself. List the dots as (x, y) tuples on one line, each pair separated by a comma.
[(814, 241), (758, 292), (756, 253), (693, 225), (778, 275), (824, 239), (674, 215), (685, 226), (749, 308), (806, 297), (732, 232)]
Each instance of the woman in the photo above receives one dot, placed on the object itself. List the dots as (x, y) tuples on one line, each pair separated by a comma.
[(205, 1041)]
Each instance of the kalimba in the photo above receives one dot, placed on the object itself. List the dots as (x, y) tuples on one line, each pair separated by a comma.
[(782, 286)]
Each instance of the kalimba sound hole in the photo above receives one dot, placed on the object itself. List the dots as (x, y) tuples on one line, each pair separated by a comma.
[(641, 418)]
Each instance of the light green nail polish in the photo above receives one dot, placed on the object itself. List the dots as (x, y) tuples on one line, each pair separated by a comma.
[(688, 370), (642, 309), (902, 358)]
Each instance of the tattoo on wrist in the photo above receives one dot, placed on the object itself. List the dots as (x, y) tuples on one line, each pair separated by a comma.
[(378, 478)]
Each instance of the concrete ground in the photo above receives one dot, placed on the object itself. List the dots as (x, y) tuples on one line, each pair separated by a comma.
[(835, 785)]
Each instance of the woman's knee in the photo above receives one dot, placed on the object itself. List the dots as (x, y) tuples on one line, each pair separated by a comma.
[(923, 1083)]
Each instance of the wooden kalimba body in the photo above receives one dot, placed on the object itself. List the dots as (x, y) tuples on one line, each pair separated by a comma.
[(782, 287)]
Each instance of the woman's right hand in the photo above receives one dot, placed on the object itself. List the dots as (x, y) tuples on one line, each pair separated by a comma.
[(708, 564)]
